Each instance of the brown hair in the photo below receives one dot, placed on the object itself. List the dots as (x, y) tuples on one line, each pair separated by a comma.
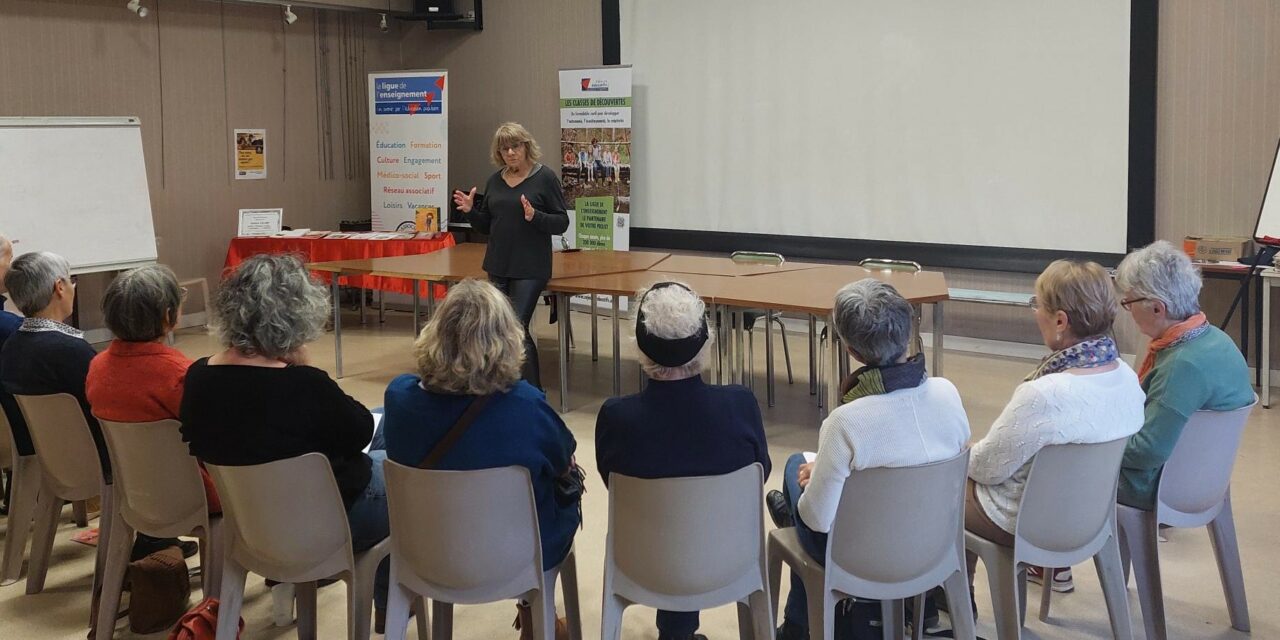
[(510, 134), (1083, 291)]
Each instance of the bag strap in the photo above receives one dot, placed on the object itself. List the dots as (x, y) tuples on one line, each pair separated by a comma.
[(455, 432)]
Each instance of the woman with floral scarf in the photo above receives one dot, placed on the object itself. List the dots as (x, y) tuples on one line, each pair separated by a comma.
[(1081, 393)]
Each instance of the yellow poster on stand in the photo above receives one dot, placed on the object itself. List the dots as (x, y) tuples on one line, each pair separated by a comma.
[(250, 152)]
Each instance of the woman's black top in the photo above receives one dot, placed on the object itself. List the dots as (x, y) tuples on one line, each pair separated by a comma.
[(518, 248)]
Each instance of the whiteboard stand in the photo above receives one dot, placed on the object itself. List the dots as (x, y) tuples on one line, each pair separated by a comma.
[(77, 187), (1267, 233)]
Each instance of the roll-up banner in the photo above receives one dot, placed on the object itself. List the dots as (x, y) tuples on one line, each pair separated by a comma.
[(409, 151), (595, 149)]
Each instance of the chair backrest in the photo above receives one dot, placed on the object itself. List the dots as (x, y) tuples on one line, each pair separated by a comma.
[(285, 519), (158, 487), (68, 456), (897, 530), (1069, 503), (890, 264), (8, 448), (763, 257), (685, 537), (464, 536), (1198, 473)]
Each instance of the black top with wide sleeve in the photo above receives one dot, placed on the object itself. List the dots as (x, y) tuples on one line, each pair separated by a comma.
[(519, 248)]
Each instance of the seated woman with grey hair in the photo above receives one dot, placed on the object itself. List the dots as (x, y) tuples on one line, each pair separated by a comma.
[(46, 356), (678, 426), (1190, 364), (259, 400), (469, 358), (894, 415)]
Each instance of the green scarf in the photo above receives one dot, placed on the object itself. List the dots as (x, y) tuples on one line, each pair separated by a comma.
[(871, 381)]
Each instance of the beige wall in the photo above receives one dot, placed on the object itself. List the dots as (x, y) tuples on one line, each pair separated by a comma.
[(193, 71), (1218, 109), (508, 72)]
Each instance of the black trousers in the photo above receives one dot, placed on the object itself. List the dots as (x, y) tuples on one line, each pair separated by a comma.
[(524, 294)]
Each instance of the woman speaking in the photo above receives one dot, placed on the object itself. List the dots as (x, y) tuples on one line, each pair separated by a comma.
[(522, 207)]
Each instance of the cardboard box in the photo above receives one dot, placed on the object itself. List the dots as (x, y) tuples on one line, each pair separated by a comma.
[(1217, 248)]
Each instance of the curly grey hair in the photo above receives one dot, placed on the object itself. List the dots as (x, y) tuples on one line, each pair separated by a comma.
[(31, 280), (1160, 271), (270, 306), (672, 313), (140, 303), (873, 320)]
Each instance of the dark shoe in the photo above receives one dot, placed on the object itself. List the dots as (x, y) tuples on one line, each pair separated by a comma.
[(667, 636), (189, 548), (792, 631), (779, 510)]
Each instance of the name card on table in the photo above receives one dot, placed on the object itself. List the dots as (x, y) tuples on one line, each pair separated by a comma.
[(260, 222)]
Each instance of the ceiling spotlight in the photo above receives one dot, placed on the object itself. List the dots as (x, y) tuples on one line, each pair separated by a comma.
[(289, 16), (136, 7), (382, 23)]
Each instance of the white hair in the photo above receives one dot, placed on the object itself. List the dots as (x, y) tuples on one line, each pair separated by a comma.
[(673, 313), (269, 306), (1160, 271)]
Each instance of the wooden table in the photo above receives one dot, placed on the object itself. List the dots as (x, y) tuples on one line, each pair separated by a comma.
[(465, 261), (714, 266), (729, 287)]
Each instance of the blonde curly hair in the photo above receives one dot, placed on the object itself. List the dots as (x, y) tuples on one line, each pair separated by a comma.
[(473, 344)]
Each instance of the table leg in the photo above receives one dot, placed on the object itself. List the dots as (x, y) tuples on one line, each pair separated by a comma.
[(617, 351), (337, 329), (1257, 326), (833, 375), (382, 306), (416, 295), (937, 339), (1265, 362), (431, 299), (768, 357), (562, 310), (740, 347), (362, 320), (717, 369), (813, 355), (595, 342)]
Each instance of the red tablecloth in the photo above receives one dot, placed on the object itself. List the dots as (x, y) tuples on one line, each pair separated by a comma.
[(321, 250)]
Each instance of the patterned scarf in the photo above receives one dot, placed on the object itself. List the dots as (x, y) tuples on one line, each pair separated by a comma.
[(1180, 333), (870, 381), (1086, 354)]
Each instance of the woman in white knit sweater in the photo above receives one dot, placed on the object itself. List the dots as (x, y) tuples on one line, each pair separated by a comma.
[(1081, 393), (893, 415)]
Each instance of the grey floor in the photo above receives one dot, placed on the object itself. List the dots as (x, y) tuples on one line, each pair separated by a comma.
[(376, 353)]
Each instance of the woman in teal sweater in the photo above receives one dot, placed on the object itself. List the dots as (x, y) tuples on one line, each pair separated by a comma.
[(1190, 365)]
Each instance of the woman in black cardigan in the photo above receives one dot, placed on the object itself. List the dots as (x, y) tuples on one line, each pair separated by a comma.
[(522, 207)]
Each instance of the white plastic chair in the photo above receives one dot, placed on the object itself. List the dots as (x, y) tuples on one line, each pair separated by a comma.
[(285, 521), (1194, 491), (158, 492), (24, 486), (897, 534), (1066, 516), (687, 544), (469, 537), (70, 471)]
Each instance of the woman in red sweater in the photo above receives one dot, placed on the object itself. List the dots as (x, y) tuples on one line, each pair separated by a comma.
[(139, 378)]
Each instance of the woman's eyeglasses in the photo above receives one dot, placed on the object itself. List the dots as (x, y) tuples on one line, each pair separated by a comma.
[(1127, 304)]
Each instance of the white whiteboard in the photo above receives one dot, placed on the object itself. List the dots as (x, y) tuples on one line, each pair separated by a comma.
[(999, 123), (1269, 217), (77, 187)]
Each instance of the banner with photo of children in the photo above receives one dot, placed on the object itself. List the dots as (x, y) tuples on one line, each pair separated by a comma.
[(595, 150)]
